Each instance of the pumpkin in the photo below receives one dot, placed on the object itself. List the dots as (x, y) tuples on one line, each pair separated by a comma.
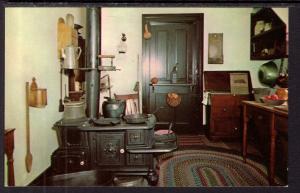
[(282, 93)]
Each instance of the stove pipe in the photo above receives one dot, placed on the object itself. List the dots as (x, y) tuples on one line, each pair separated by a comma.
[(92, 50)]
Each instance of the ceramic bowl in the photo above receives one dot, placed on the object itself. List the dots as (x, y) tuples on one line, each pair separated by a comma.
[(272, 102)]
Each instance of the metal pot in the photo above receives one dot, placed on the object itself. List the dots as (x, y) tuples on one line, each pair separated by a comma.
[(136, 118), (149, 119), (74, 110), (268, 73), (113, 108)]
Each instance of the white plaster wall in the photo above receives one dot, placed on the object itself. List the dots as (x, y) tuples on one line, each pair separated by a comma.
[(30, 51)]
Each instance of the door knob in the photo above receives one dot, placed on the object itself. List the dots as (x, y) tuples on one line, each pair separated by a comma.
[(122, 150)]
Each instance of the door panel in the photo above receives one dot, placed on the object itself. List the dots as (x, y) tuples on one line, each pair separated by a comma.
[(160, 70), (181, 53), (175, 41), (168, 46)]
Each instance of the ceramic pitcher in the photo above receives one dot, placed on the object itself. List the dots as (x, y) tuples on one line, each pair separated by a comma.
[(70, 55)]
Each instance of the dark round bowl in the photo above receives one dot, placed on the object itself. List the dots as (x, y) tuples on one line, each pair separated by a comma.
[(272, 102)]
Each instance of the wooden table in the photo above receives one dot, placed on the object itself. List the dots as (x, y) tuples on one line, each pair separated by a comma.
[(9, 150), (273, 114)]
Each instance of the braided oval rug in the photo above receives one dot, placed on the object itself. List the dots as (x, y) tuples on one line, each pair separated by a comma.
[(206, 168)]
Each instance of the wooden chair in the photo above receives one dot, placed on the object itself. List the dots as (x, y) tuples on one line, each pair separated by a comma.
[(132, 103)]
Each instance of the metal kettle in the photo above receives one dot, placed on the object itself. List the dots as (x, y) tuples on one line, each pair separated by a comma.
[(113, 108)]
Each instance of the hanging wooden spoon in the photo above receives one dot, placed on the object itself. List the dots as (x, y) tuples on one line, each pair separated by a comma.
[(147, 34), (28, 158)]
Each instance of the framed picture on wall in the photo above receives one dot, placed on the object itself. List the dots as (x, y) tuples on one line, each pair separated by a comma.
[(239, 83), (215, 48)]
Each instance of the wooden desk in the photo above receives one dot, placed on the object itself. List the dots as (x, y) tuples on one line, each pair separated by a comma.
[(266, 116)]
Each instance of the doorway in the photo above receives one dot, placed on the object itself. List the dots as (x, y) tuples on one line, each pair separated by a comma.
[(176, 40)]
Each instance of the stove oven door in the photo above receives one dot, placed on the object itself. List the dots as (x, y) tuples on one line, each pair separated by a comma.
[(108, 148)]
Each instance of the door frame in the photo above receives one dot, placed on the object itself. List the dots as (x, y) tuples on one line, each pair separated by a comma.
[(196, 18)]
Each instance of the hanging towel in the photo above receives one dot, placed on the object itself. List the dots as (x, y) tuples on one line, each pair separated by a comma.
[(206, 98)]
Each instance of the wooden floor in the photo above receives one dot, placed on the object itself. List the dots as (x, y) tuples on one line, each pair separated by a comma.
[(189, 141)]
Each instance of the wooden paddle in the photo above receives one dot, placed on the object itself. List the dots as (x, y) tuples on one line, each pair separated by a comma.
[(28, 158)]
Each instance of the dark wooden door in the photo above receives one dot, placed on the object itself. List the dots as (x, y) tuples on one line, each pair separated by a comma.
[(176, 40)]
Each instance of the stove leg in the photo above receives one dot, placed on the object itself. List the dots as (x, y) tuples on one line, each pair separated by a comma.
[(156, 162), (152, 178)]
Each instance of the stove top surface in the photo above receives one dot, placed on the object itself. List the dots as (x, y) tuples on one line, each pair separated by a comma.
[(107, 123)]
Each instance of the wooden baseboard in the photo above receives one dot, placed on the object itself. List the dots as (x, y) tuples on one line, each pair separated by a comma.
[(40, 180)]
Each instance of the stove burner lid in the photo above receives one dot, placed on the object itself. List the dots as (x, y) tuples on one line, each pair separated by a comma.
[(107, 121)]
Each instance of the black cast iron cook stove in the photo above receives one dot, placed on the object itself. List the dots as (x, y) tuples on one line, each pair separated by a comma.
[(113, 146)]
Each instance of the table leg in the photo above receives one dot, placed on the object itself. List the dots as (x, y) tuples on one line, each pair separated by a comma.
[(245, 128), (272, 151)]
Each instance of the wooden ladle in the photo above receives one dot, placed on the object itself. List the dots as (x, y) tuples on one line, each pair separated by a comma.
[(28, 158), (147, 34)]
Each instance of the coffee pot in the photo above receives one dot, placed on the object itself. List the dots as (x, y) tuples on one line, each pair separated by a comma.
[(70, 54)]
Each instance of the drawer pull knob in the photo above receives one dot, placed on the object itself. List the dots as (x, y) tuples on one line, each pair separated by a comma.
[(81, 163), (224, 109), (260, 117), (122, 150), (70, 161), (235, 128)]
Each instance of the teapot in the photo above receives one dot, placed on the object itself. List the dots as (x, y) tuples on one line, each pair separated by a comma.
[(113, 108), (70, 54)]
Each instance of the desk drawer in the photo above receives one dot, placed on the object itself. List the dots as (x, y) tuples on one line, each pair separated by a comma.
[(226, 127), (228, 111), (220, 100)]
